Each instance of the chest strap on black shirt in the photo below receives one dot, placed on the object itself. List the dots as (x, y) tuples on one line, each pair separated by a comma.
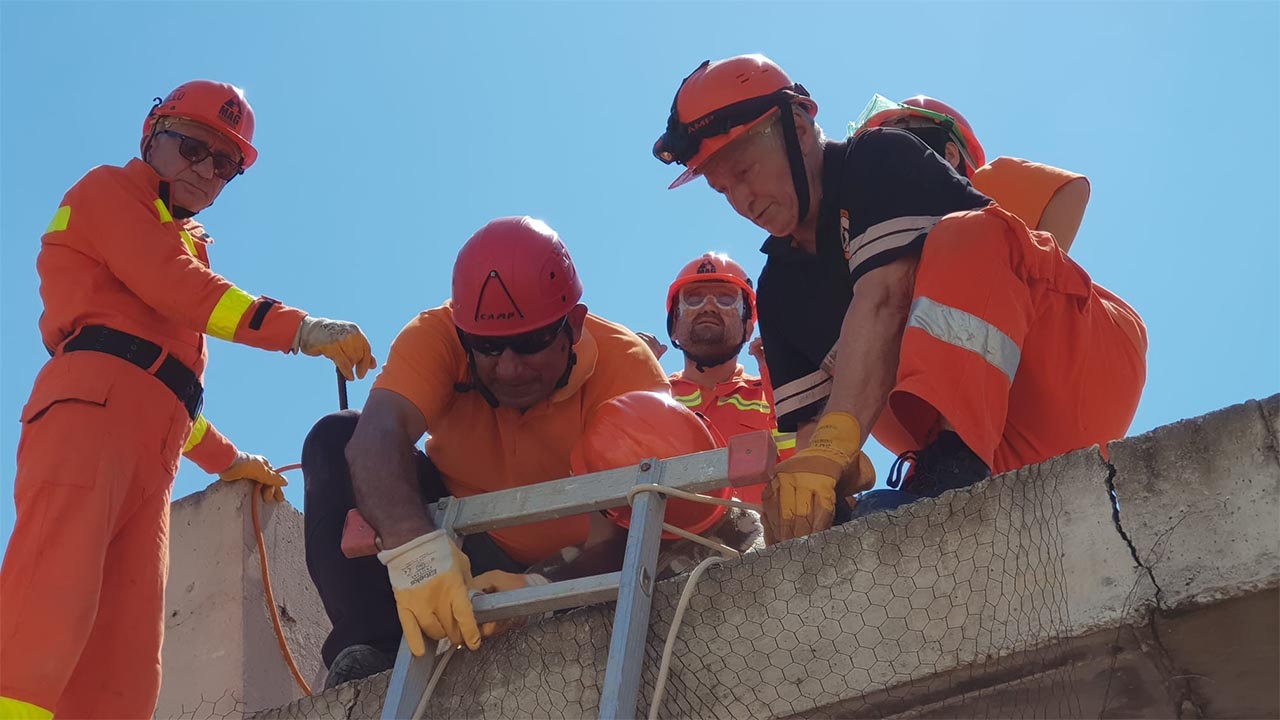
[(143, 353)]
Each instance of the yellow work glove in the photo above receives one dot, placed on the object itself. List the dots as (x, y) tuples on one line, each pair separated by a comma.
[(340, 341), (801, 498), (496, 581), (430, 578), (257, 469)]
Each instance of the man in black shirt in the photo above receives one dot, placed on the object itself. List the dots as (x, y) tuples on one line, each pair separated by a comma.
[(988, 348)]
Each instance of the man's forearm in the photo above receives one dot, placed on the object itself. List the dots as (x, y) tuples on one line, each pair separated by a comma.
[(866, 363), (385, 480)]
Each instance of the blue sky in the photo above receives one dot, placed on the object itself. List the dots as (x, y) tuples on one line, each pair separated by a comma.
[(389, 132)]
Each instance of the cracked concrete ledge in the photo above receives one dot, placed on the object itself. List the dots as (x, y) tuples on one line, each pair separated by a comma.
[(1024, 595)]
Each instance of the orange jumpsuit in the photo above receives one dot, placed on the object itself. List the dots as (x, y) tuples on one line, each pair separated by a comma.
[(736, 406), (1022, 187), (82, 585), (1033, 361)]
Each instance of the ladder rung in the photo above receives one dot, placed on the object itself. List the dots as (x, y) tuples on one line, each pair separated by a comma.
[(547, 598)]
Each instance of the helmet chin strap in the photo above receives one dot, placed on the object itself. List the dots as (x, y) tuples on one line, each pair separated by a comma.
[(704, 362), (799, 177)]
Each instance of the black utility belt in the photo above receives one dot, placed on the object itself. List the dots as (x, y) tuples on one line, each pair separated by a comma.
[(144, 354)]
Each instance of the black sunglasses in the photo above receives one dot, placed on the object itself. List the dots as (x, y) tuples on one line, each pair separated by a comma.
[(195, 151), (681, 140), (530, 343)]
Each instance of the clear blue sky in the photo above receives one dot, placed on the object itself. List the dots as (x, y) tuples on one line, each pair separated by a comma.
[(389, 132)]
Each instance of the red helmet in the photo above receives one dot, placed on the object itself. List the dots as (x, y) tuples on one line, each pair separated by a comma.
[(936, 111), (218, 105), (638, 425), (712, 266), (718, 103), (514, 275)]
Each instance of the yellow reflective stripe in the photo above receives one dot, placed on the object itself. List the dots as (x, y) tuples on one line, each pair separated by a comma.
[(198, 430), (165, 217), (18, 710), (226, 315), (191, 244), (738, 402), (692, 400), (784, 441), (60, 219)]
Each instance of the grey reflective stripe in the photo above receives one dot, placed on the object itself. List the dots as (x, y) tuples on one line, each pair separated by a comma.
[(968, 331), (888, 235), (799, 394)]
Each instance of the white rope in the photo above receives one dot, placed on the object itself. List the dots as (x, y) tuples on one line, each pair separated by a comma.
[(665, 666), (431, 685)]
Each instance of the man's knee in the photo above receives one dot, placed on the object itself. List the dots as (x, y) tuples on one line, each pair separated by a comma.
[(328, 438)]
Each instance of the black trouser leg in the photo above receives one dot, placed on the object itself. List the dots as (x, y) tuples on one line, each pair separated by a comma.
[(356, 592)]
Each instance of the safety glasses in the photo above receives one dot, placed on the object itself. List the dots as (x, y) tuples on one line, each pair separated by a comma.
[(681, 141), (196, 151), (694, 298), (530, 343)]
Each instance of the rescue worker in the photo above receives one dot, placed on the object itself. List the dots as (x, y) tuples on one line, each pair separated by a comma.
[(505, 378), (1044, 197), (128, 300), (965, 340), (710, 318)]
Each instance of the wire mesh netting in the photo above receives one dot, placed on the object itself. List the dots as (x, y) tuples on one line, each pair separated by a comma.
[(958, 598)]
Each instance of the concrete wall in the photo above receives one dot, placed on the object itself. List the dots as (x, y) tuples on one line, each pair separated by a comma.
[(1027, 595), (221, 657)]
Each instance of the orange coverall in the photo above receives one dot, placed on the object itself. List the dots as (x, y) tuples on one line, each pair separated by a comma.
[(82, 586), (736, 406), (1032, 361)]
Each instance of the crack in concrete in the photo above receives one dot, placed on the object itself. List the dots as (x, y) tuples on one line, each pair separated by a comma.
[(1185, 700), (1272, 432), (1115, 519)]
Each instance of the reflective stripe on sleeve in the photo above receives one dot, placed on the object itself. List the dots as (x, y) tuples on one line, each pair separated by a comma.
[(198, 430), (60, 219), (225, 317)]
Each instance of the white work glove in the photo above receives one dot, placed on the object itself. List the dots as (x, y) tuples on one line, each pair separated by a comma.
[(430, 578), (340, 341)]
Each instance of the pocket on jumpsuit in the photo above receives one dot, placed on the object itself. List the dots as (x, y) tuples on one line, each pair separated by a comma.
[(59, 419)]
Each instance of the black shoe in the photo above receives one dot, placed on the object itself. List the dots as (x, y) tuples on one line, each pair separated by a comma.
[(945, 464), (356, 662)]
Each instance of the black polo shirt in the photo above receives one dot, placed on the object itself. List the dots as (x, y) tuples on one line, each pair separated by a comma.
[(881, 194)]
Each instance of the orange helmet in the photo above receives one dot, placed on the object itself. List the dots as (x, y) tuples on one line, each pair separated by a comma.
[(638, 425), (221, 106), (514, 275), (881, 111), (712, 266), (722, 100)]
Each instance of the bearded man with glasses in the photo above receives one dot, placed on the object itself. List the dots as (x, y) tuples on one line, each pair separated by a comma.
[(710, 317), (511, 380), (128, 300)]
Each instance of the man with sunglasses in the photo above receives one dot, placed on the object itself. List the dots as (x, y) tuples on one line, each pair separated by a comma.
[(1044, 197), (502, 378), (128, 300), (710, 317), (897, 297)]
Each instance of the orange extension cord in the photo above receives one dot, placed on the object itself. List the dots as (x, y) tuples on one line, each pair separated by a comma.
[(266, 584)]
